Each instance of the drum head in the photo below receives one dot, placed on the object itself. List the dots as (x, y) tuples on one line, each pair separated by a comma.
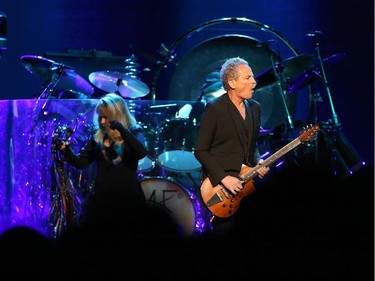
[(145, 165), (199, 70), (179, 161), (174, 200)]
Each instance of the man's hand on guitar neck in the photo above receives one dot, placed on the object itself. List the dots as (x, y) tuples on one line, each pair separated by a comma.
[(263, 170), (235, 185)]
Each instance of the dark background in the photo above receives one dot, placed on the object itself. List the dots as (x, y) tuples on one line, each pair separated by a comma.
[(302, 224)]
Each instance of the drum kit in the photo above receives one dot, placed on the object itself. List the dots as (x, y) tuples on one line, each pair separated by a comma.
[(170, 133), (176, 135)]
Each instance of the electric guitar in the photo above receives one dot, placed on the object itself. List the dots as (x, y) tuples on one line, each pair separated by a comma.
[(222, 203)]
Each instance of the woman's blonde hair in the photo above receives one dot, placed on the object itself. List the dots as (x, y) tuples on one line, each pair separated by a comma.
[(114, 107)]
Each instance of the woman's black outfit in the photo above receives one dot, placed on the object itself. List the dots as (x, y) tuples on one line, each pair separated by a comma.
[(116, 197)]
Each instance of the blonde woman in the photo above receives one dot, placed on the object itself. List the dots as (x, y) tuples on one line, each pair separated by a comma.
[(115, 147)]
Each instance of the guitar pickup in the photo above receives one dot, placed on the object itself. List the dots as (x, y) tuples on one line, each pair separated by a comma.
[(214, 200), (225, 192)]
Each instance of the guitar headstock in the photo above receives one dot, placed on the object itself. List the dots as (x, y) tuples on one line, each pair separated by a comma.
[(309, 133)]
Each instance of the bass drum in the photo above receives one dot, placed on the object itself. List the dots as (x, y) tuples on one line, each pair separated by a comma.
[(181, 205)]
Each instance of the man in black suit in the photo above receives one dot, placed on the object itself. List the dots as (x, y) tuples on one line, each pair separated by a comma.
[(228, 133)]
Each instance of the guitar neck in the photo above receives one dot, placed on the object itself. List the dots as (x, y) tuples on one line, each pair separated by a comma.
[(271, 159)]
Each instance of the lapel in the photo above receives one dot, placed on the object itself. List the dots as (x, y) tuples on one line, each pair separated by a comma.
[(250, 118), (236, 119)]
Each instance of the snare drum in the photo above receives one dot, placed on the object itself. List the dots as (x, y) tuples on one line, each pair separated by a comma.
[(176, 145), (180, 204)]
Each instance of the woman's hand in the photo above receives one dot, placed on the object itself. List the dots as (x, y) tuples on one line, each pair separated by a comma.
[(63, 145), (115, 125)]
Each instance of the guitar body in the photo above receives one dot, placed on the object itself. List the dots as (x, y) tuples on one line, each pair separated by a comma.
[(220, 201)]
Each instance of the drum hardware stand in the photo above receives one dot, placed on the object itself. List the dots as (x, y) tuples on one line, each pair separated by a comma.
[(278, 73), (202, 96), (326, 138), (323, 74), (57, 71), (50, 84), (175, 175), (316, 97), (118, 83), (343, 153), (192, 179)]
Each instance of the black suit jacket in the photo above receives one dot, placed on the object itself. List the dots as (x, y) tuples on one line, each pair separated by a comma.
[(220, 145)]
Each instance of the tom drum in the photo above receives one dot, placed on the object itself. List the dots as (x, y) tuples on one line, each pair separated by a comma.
[(176, 145)]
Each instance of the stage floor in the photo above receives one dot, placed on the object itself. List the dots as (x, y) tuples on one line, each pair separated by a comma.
[(301, 225)]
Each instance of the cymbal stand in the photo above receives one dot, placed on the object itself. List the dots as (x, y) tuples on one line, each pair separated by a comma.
[(278, 72), (315, 36), (50, 84), (344, 157), (118, 83)]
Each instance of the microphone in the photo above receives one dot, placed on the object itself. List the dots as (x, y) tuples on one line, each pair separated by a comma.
[(265, 43), (314, 33)]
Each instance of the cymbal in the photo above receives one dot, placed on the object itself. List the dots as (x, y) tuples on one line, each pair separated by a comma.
[(314, 73), (290, 68), (67, 78), (114, 81), (212, 77), (213, 90), (38, 65), (70, 80), (69, 94)]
